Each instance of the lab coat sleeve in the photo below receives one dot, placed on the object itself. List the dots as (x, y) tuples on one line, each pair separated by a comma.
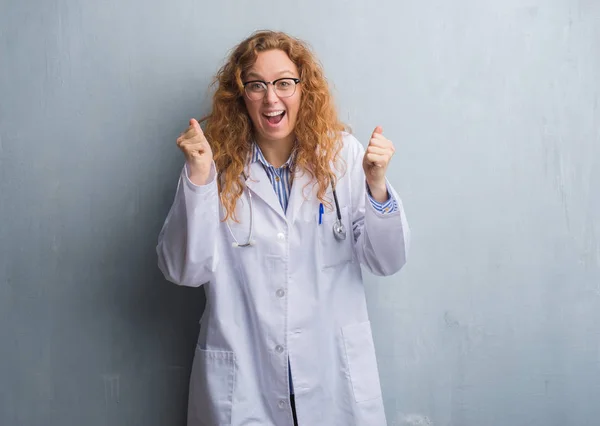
[(381, 240), (187, 243)]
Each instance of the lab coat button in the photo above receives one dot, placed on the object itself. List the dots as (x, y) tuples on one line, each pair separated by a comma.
[(281, 404), (279, 348), (280, 293), (281, 236)]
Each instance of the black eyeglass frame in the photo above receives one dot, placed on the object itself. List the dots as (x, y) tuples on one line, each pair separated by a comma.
[(273, 83)]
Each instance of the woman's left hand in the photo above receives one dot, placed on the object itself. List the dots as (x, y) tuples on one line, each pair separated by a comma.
[(375, 164)]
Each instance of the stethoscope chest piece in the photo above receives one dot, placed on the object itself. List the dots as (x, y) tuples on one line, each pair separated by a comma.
[(339, 230)]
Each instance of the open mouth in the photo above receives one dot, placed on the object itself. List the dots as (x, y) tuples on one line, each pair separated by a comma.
[(274, 117)]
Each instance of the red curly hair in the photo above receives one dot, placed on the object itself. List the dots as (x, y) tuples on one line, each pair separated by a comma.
[(229, 128)]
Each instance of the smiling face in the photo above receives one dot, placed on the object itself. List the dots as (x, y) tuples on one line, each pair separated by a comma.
[(273, 117)]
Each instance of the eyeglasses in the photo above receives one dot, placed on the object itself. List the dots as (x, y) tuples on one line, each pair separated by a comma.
[(284, 88)]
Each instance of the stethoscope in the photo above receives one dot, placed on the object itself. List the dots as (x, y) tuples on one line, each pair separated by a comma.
[(339, 230)]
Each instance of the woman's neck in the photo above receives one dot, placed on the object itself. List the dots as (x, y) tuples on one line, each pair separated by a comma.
[(277, 152)]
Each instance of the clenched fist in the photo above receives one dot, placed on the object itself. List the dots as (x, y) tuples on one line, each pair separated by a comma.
[(375, 163), (197, 151)]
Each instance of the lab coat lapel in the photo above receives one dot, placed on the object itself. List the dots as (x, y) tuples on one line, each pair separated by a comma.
[(258, 182)]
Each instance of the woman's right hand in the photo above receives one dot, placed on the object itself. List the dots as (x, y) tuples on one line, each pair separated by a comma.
[(197, 151)]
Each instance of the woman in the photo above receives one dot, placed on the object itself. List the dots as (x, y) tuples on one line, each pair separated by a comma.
[(285, 337)]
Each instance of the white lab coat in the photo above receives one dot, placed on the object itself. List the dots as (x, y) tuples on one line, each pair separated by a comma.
[(297, 293)]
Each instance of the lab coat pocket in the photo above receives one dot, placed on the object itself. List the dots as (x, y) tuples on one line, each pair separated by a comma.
[(362, 363), (334, 252), (211, 388)]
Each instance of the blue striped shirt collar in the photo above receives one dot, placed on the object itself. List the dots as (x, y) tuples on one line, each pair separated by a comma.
[(258, 156)]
